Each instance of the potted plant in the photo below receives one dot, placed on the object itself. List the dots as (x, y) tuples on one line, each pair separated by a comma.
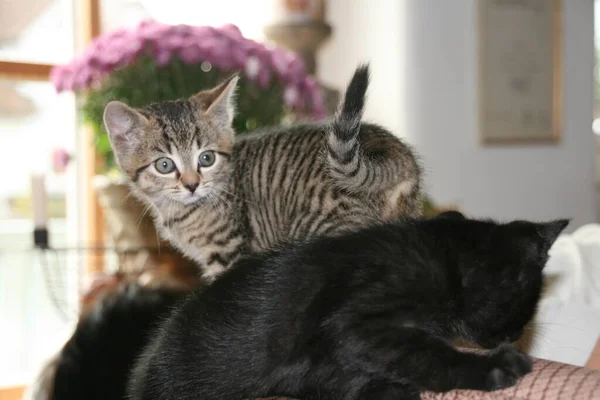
[(154, 62)]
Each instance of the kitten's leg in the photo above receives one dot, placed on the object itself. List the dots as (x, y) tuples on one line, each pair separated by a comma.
[(430, 363)]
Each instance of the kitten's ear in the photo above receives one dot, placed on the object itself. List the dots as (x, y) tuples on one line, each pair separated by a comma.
[(549, 231), (124, 125), (219, 102)]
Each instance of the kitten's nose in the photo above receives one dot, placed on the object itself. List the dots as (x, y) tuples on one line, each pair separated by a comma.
[(191, 186), (190, 180)]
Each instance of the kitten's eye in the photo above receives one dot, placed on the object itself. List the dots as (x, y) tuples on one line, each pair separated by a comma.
[(164, 165), (207, 158)]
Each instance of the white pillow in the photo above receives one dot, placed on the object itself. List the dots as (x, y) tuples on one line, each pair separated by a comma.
[(568, 322)]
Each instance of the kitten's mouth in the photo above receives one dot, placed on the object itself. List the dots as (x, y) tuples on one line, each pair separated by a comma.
[(190, 198)]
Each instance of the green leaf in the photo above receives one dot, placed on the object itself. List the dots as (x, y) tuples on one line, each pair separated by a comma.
[(144, 82)]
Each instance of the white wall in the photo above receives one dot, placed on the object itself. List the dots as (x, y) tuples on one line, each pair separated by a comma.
[(425, 89), (367, 31)]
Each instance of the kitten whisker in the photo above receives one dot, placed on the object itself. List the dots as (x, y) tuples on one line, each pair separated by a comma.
[(234, 195), (141, 218), (127, 197), (147, 208), (219, 204), (535, 337)]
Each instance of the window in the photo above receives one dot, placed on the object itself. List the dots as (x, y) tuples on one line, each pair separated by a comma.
[(34, 120), (36, 31)]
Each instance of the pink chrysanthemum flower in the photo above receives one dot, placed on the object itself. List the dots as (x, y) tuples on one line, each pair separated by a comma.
[(224, 48)]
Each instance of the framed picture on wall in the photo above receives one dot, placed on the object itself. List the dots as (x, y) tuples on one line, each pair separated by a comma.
[(520, 76)]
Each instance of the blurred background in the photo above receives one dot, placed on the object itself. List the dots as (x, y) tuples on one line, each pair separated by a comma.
[(430, 60)]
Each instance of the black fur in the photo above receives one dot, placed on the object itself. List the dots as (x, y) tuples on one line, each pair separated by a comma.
[(96, 361), (364, 316)]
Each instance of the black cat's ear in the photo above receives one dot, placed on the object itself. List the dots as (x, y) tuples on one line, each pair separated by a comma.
[(549, 231), (124, 125), (219, 102)]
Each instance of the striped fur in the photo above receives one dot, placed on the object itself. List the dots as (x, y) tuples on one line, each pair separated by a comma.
[(283, 183), (351, 169)]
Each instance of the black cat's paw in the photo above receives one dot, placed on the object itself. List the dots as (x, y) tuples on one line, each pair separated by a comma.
[(507, 366)]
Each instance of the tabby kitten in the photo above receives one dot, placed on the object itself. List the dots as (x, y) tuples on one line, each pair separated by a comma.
[(365, 315), (215, 195)]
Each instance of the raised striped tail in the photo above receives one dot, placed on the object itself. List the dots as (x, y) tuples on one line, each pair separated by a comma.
[(342, 143), (346, 123), (366, 158)]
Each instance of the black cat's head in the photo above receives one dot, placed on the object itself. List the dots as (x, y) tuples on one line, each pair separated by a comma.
[(501, 272)]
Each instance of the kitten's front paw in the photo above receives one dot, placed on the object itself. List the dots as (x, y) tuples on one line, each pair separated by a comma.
[(507, 366)]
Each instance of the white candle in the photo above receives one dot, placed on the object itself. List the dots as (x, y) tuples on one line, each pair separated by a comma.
[(40, 201)]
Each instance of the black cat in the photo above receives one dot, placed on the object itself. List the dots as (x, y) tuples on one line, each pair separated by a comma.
[(367, 315), (96, 361)]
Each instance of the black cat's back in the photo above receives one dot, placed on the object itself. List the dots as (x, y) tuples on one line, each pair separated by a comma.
[(272, 310), (232, 338)]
